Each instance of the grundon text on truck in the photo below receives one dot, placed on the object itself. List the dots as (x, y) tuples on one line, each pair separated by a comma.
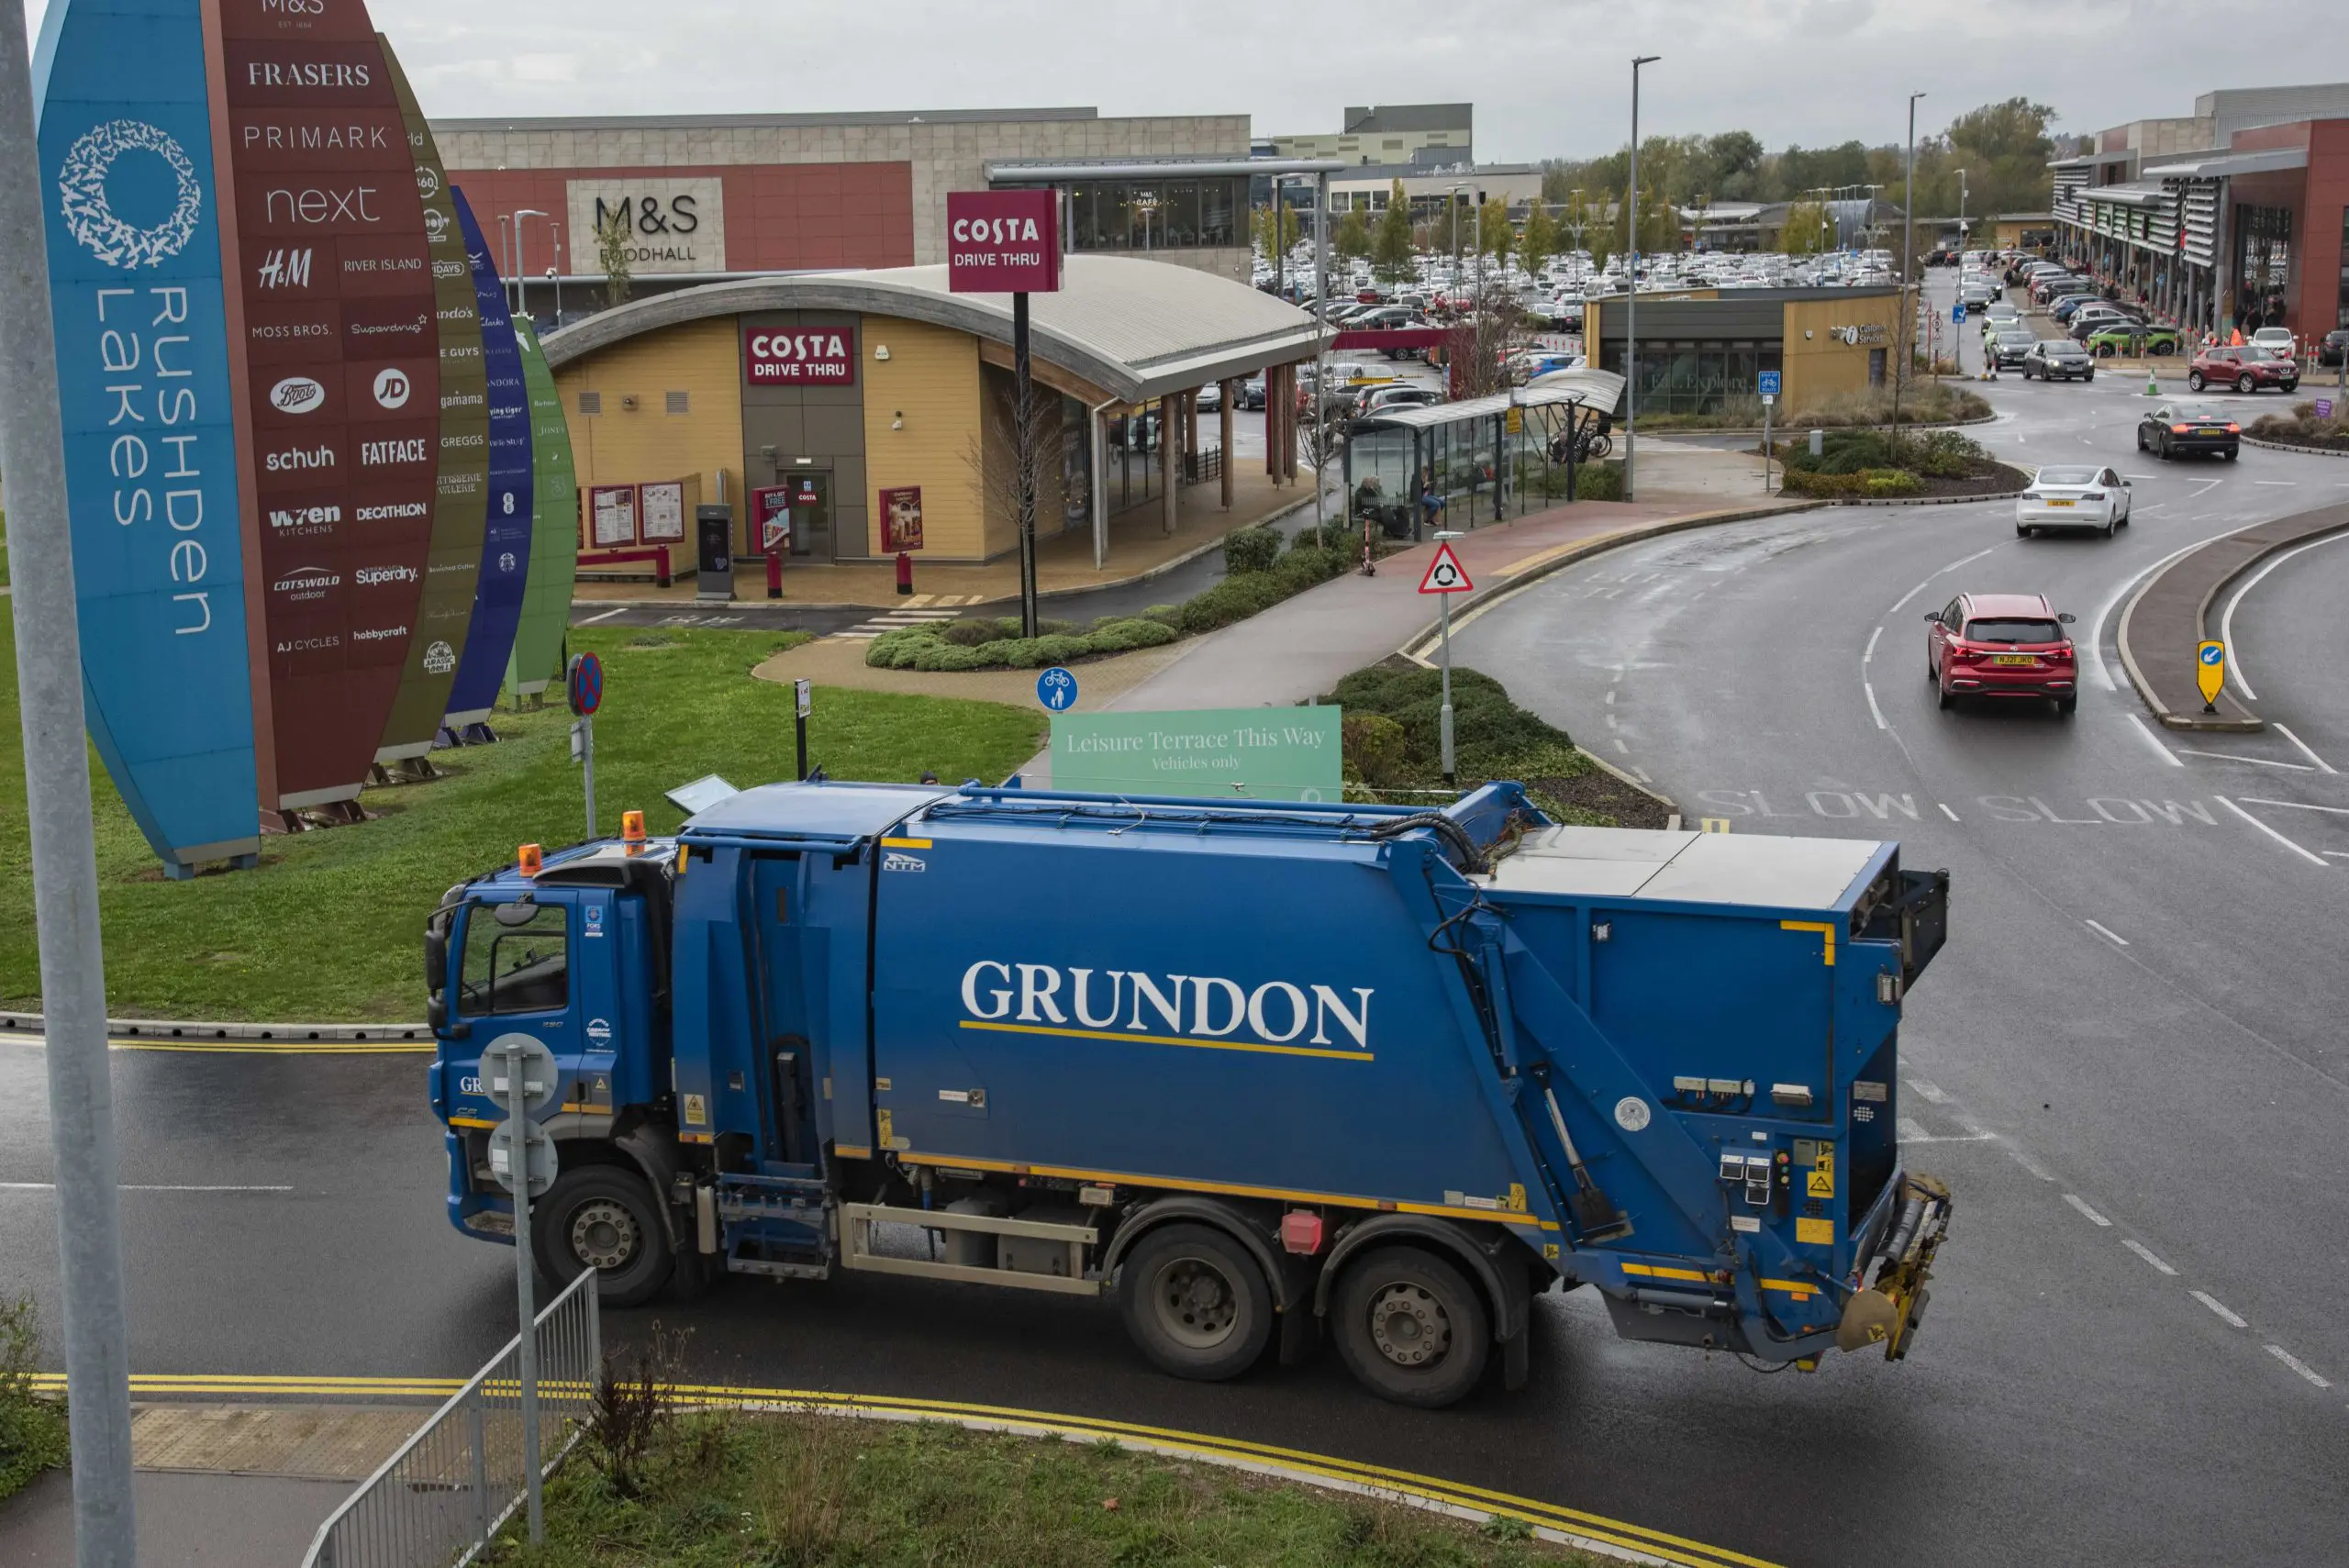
[(1259, 1071)]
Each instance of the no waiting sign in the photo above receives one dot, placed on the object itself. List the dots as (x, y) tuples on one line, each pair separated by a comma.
[(1444, 573)]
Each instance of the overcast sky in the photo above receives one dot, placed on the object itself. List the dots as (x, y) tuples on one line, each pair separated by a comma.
[(1548, 77)]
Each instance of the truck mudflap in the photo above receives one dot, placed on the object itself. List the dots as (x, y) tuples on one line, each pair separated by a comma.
[(1888, 1309)]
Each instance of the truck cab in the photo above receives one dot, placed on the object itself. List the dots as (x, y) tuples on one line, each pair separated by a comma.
[(1265, 1073)]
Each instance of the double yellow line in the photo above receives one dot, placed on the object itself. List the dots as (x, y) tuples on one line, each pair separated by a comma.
[(1580, 1527)]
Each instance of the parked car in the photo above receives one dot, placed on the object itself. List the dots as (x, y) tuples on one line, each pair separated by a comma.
[(2182, 430), (2132, 338), (2245, 369), (2334, 346), (2062, 309), (2073, 497), (2001, 645), (2058, 359), (1252, 393), (2092, 318), (2273, 337), (1385, 399), (1209, 397)]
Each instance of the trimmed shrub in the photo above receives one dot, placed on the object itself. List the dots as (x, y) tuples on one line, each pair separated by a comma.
[(1250, 550), (1374, 748), (1490, 733), (1866, 482)]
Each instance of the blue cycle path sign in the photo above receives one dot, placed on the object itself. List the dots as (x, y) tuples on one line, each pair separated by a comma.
[(1056, 689), (1769, 384)]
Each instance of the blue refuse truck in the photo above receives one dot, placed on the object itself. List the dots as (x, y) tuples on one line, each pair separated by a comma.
[(1262, 1071)]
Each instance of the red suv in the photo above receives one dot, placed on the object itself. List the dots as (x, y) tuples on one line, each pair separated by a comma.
[(2001, 645), (2245, 369)]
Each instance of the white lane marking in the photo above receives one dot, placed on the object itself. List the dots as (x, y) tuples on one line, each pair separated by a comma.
[(1639, 774), (2286, 483), (1869, 687), (2238, 757), (2092, 1216), (1929, 581), (1620, 747), (1932, 1092), (607, 614), (2027, 1163), (2105, 932), (2296, 1364), (2298, 806), (2321, 765), (1610, 722), (138, 1187), (2225, 1312), (2104, 610), (1946, 811), (2145, 1252), (2138, 476), (1869, 656), (2239, 811), (2163, 752), (2227, 622), (1912, 1131), (1610, 696), (2207, 485)]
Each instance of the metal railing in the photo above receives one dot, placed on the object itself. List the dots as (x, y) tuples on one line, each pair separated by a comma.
[(439, 1500)]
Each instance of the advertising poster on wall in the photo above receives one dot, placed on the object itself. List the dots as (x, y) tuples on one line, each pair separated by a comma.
[(661, 518), (901, 519), (343, 389), (137, 290), (611, 516), (505, 537), (453, 557), (554, 527)]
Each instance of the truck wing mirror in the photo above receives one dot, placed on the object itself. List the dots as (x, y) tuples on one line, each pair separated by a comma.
[(519, 913)]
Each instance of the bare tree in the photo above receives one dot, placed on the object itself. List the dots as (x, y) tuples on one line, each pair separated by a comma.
[(999, 483), (611, 254)]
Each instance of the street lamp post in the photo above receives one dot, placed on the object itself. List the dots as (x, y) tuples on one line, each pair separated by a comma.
[(1632, 299), (1908, 323), (521, 277)]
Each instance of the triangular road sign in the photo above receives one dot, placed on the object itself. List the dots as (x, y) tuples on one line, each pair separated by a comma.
[(1445, 575)]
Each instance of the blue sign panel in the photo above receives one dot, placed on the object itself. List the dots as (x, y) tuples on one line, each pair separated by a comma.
[(1056, 689), (506, 542), (151, 446), (1769, 384)]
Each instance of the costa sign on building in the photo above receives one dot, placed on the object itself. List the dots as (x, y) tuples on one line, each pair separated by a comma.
[(250, 353), (1003, 241), (800, 356)]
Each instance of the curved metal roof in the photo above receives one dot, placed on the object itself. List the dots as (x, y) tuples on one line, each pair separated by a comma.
[(1137, 329)]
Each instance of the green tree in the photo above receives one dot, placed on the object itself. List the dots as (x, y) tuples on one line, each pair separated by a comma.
[(611, 254), (1495, 235), (1539, 241), (2004, 149), (1275, 228), (1351, 241), (1807, 231), (1598, 230), (1390, 247)]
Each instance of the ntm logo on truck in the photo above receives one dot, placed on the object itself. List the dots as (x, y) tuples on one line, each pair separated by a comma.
[(1126, 1005), (1389, 1074)]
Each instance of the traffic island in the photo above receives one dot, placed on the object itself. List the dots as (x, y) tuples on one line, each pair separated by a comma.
[(2168, 620), (1883, 465), (2304, 429), (731, 1485)]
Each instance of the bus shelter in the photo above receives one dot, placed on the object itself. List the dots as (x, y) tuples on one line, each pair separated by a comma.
[(1482, 460)]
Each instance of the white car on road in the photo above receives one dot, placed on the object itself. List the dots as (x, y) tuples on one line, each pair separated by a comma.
[(2094, 499)]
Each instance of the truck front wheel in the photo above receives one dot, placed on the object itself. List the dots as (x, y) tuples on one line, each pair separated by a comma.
[(1411, 1328), (1196, 1303), (602, 1218)]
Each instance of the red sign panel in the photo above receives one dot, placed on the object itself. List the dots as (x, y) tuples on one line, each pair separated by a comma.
[(901, 518), (344, 344), (800, 356), (1003, 241)]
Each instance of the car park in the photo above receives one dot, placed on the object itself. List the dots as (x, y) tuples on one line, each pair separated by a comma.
[(1252, 393), (2058, 359), (2001, 645), (2184, 430), (2245, 369), (1385, 399), (2073, 498), (2126, 337)]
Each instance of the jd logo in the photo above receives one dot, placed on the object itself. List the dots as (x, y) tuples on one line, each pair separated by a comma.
[(392, 389), (648, 215)]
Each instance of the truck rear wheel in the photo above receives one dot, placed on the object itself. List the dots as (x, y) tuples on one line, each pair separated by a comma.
[(603, 1218), (1196, 1303), (1411, 1328)]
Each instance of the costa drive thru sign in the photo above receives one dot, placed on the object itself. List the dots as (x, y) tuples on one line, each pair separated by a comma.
[(1003, 241)]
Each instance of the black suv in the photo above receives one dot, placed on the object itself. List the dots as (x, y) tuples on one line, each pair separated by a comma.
[(2335, 343)]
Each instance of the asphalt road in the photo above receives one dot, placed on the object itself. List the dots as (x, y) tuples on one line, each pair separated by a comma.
[(2128, 1064)]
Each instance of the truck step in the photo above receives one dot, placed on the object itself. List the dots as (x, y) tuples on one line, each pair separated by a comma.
[(742, 1197)]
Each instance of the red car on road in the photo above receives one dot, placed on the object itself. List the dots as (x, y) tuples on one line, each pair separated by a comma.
[(2245, 369), (2001, 645)]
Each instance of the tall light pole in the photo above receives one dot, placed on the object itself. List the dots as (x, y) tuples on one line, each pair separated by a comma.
[(1908, 322), (1631, 300), (554, 273), (521, 275), (1454, 203), (1961, 218)]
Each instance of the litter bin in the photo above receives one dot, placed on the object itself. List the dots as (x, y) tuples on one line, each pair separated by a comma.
[(714, 534)]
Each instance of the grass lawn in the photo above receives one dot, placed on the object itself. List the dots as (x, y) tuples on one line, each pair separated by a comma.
[(723, 1489), (330, 927)]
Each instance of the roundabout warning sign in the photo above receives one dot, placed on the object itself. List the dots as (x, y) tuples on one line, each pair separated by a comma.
[(1445, 575)]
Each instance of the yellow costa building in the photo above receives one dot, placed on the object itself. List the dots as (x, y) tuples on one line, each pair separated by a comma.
[(873, 411)]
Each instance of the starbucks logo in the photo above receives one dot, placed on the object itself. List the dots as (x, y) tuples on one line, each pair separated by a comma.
[(81, 185)]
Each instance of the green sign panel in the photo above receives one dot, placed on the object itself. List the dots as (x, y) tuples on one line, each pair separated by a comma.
[(1243, 754)]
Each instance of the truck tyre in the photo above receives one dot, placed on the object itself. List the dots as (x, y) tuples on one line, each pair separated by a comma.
[(1196, 1303), (1411, 1328), (604, 1218)]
